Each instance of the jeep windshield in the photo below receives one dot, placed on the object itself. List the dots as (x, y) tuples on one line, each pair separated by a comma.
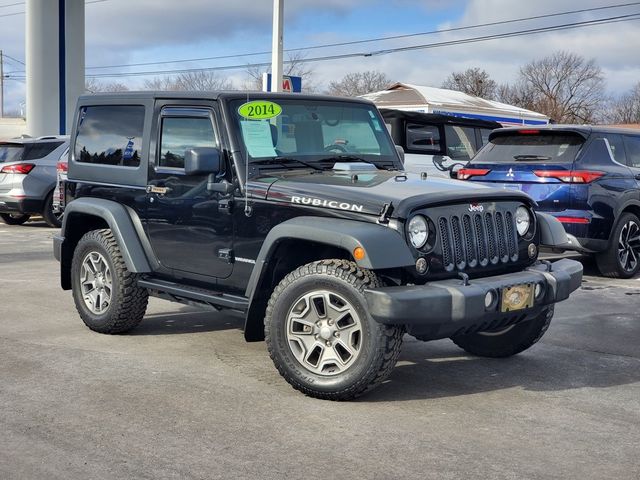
[(309, 133)]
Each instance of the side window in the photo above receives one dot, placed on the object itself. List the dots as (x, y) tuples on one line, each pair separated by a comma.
[(425, 138), (632, 146), (617, 148), (182, 133), (484, 135), (461, 142), (110, 135)]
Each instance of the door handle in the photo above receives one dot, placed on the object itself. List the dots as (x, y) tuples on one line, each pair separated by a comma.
[(637, 176)]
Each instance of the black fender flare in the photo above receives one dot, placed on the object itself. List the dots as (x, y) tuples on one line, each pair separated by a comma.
[(552, 233), (384, 247), (124, 224)]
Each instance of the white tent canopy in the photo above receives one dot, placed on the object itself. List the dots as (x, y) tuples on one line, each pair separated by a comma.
[(417, 98)]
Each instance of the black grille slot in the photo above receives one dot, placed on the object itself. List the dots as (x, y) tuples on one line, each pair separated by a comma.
[(501, 237), (512, 241), (457, 243), (491, 238), (472, 257), (446, 243), (477, 239)]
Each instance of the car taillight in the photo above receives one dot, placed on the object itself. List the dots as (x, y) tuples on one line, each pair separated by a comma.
[(570, 176), (529, 132), (21, 168), (62, 167), (466, 173)]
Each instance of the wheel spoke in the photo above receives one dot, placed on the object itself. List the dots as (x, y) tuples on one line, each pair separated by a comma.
[(96, 282)]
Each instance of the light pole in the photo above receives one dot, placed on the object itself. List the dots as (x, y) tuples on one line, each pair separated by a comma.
[(276, 46)]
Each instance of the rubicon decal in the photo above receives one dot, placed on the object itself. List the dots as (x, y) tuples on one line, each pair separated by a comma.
[(317, 202)]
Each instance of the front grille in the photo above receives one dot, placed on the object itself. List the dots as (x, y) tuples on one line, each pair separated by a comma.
[(476, 239)]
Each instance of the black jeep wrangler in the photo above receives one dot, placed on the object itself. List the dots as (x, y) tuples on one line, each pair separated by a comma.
[(295, 210)]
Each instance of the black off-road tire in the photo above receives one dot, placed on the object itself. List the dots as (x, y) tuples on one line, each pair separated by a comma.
[(128, 301), (380, 343), (514, 340), (50, 218), (608, 261), (14, 219)]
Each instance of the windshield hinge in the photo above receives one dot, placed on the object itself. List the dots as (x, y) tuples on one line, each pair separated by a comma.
[(385, 213)]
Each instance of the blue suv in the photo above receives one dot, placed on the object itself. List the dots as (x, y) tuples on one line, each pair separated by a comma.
[(588, 177)]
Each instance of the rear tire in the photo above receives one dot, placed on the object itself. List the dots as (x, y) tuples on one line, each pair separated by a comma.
[(622, 257), (14, 218), (508, 341), (320, 336), (52, 219), (105, 292)]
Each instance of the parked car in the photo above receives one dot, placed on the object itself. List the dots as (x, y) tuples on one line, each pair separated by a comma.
[(295, 211), (28, 178), (436, 144), (588, 177), (61, 177)]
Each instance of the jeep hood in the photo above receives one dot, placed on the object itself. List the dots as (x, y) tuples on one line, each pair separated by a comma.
[(368, 192)]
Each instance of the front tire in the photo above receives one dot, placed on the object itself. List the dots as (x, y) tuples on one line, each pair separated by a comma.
[(105, 292), (622, 258), (14, 218), (508, 341), (320, 335)]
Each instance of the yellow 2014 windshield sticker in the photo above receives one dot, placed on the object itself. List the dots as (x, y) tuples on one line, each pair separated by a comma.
[(259, 110)]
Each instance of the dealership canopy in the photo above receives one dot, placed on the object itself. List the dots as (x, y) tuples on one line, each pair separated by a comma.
[(417, 98)]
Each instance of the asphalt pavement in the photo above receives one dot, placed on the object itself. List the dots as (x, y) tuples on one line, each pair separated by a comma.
[(183, 396)]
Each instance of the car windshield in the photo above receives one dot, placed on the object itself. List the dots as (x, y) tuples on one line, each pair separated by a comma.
[(540, 146), (11, 152), (318, 132)]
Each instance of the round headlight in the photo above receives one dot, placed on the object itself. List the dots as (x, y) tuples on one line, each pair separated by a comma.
[(523, 220), (418, 231)]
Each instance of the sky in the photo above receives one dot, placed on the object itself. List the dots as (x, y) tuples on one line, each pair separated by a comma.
[(122, 32)]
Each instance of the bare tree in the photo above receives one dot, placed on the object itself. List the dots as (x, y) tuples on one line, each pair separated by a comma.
[(626, 109), (359, 83), (564, 86), (473, 81), (294, 65), (92, 85), (200, 80)]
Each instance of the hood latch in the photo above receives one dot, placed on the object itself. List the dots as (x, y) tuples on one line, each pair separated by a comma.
[(385, 213)]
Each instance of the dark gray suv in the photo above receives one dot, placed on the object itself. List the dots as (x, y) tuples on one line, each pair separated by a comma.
[(28, 178)]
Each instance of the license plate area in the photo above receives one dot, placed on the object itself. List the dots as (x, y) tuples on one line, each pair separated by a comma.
[(517, 297)]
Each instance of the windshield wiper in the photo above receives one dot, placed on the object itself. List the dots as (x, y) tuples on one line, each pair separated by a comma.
[(347, 158), (284, 160), (531, 157)]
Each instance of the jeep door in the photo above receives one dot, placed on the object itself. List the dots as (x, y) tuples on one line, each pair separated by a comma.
[(189, 229)]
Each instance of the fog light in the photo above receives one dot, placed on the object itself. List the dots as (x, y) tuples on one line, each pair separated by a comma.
[(421, 265), (489, 299), (532, 250)]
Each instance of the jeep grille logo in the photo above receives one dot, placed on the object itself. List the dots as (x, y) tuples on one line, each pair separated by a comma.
[(476, 207)]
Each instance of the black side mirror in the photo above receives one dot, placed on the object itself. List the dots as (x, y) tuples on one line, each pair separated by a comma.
[(202, 161)]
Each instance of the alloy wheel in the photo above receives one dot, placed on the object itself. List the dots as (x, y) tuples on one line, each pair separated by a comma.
[(96, 283), (629, 246), (324, 332)]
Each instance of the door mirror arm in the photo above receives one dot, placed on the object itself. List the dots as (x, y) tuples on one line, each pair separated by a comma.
[(220, 186)]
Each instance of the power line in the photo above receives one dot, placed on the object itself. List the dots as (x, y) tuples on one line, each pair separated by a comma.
[(356, 42), (22, 3), (518, 33)]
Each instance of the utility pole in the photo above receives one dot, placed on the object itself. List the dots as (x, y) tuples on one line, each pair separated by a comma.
[(276, 46), (1, 85)]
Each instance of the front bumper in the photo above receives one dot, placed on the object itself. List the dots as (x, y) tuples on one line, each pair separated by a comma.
[(446, 308)]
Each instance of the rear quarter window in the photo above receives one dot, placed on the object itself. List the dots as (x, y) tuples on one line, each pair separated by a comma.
[(548, 147), (110, 135)]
